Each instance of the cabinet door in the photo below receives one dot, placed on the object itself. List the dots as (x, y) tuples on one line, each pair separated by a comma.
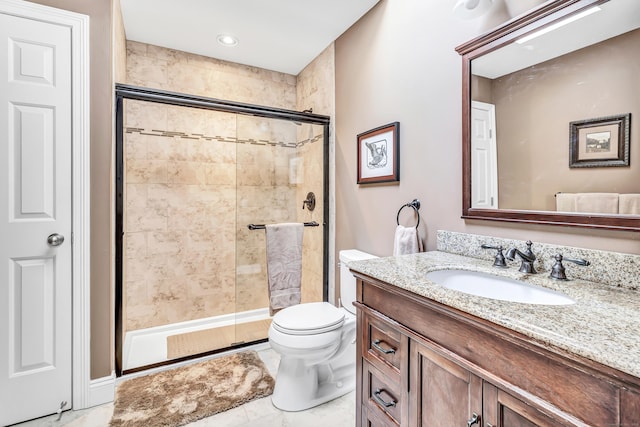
[(441, 392), (503, 410)]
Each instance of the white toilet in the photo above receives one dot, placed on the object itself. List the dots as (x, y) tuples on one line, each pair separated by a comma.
[(316, 343)]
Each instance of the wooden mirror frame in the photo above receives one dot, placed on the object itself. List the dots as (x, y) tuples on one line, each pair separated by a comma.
[(501, 36)]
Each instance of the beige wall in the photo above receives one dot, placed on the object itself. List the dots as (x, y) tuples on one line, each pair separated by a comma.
[(534, 107), (99, 12), (399, 63)]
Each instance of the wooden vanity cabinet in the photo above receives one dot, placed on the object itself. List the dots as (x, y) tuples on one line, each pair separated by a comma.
[(421, 363)]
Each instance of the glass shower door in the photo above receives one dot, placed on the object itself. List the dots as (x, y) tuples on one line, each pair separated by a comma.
[(192, 274), (278, 163), (178, 287)]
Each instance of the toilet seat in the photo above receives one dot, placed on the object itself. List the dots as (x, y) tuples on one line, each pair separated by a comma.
[(308, 319)]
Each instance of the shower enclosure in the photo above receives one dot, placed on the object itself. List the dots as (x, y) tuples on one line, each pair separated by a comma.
[(196, 178)]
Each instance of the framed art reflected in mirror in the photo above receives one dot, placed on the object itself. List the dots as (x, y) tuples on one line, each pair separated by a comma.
[(601, 142)]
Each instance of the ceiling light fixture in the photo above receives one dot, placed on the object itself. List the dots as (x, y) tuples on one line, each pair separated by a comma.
[(469, 9), (558, 25), (227, 40)]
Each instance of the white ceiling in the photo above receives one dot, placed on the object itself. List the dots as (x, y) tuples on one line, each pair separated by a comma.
[(614, 18), (279, 35)]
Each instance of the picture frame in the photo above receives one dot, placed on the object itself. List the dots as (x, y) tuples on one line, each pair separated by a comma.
[(600, 142), (379, 154)]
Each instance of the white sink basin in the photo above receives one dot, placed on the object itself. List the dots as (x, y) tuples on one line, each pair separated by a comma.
[(500, 288)]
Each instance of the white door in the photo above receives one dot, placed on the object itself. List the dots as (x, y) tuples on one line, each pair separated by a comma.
[(484, 157), (35, 215)]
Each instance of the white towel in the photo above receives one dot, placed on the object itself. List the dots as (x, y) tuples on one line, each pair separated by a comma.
[(597, 202), (406, 241), (566, 202), (284, 264), (630, 204)]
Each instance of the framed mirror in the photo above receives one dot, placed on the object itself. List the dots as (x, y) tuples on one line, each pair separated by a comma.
[(551, 117)]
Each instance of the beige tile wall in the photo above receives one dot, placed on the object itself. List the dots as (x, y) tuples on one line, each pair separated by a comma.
[(196, 178)]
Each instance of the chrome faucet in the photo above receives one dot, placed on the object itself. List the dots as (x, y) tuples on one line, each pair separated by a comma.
[(528, 257), (557, 271)]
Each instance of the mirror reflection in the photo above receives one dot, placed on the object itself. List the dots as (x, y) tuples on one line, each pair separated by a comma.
[(555, 115)]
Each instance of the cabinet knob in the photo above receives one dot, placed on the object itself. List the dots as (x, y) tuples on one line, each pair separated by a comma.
[(475, 419)]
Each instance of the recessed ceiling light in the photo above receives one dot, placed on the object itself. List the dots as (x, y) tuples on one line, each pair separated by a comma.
[(227, 40)]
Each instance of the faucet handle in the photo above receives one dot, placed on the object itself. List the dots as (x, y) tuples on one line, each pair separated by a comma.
[(528, 251), (557, 271), (499, 260)]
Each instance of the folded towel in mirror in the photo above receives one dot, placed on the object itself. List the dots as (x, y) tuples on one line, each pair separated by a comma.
[(597, 202), (566, 202), (629, 204)]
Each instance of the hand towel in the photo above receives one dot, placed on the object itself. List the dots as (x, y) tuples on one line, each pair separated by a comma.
[(566, 202), (407, 241), (597, 202), (284, 264), (629, 204)]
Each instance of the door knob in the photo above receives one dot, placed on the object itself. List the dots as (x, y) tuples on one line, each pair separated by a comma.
[(55, 239)]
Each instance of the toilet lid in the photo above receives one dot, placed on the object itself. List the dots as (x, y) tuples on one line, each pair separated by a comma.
[(309, 318)]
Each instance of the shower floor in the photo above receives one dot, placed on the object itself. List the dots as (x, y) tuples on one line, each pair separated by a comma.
[(163, 343)]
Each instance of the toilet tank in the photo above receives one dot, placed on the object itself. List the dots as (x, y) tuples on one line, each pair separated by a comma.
[(347, 281)]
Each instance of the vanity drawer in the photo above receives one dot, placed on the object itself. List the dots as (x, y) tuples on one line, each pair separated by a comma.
[(381, 394), (376, 418), (383, 345)]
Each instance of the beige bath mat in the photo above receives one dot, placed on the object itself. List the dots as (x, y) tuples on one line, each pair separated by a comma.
[(179, 396), (197, 342)]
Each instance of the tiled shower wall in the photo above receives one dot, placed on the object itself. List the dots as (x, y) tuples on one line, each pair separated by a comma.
[(196, 178)]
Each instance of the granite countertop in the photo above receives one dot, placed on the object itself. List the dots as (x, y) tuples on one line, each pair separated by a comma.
[(603, 325)]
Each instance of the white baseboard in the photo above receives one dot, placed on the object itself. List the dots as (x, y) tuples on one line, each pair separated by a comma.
[(101, 391)]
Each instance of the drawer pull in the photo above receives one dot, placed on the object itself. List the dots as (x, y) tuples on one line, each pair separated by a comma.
[(475, 419), (376, 395), (377, 346)]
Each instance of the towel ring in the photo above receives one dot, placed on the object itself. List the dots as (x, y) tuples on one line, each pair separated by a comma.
[(415, 204)]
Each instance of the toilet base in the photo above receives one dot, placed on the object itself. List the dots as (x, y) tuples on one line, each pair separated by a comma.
[(299, 387)]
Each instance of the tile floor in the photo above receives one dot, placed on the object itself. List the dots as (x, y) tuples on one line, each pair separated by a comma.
[(258, 413)]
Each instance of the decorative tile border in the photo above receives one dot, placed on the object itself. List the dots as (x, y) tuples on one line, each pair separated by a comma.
[(229, 139)]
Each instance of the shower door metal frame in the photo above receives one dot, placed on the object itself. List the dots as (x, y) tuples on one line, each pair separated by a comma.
[(122, 92)]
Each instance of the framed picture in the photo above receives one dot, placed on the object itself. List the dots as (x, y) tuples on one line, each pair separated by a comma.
[(379, 155), (601, 142)]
